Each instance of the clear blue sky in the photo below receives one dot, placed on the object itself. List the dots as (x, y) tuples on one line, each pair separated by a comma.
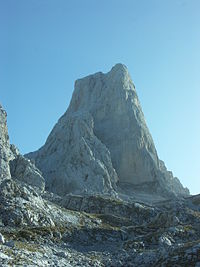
[(45, 45)]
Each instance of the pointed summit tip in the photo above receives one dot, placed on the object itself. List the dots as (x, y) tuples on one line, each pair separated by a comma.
[(119, 70), (119, 67), (2, 109)]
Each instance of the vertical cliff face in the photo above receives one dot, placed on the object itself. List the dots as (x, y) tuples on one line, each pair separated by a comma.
[(119, 123), (4, 146), (104, 132)]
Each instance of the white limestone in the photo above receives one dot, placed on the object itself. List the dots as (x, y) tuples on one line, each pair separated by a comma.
[(2, 239)]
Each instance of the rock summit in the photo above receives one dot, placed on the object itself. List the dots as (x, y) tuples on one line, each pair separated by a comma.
[(102, 142)]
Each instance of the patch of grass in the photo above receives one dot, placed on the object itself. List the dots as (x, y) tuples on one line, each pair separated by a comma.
[(33, 233), (28, 247), (113, 220), (187, 228)]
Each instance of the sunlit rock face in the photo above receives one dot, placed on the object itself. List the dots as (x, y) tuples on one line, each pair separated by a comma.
[(103, 139)]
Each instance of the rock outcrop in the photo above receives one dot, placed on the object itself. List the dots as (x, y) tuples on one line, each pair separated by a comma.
[(4, 146), (22, 169), (103, 138), (21, 205), (12, 163), (20, 183)]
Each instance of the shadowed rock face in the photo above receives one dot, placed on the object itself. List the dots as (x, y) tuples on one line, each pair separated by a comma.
[(103, 138)]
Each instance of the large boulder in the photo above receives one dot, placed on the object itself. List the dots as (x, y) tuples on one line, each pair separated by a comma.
[(21, 205), (101, 138)]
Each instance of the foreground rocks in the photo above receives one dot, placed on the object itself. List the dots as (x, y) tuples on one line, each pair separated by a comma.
[(21, 205), (170, 236)]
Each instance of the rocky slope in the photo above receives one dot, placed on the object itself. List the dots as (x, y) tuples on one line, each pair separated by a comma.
[(103, 141), (115, 233)]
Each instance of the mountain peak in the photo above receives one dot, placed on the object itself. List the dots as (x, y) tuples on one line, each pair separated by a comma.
[(103, 139), (119, 67), (118, 73)]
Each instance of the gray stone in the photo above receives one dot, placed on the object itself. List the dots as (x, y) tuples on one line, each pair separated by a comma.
[(165, 241), (10, 243), (2, 239), (62, 254), (3, 256)]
